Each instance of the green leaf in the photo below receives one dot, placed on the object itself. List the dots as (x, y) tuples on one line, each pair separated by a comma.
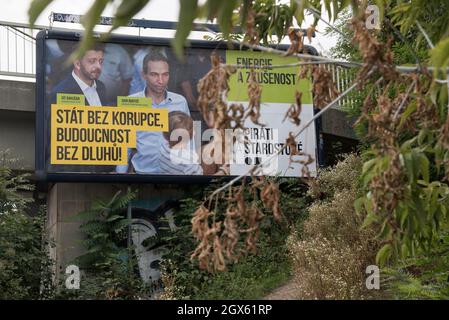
[(422, 135), (127, 10), (424, 167), (124, 13), (213, 6), (385, 231), (89, 20), (368, 171), (404, 250), (406, 114), (358, 205), (92, 16), (408, 162), (403, 214), (93, 227), (439, 56), (369, 219), (224, 16), (123, 201), (384, 254), (299, 10), (187, 14), (420, 213), (35, 10), (113, 218)]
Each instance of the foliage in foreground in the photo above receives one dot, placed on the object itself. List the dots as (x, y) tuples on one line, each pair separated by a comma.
[(403, 126), (108, 265), (254, 275), (425, 276), (25, 266)]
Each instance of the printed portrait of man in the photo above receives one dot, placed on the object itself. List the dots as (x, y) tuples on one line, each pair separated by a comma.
[(156, 74), (84, 78)]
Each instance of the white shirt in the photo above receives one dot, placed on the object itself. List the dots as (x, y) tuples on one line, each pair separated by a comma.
[(90, 92)]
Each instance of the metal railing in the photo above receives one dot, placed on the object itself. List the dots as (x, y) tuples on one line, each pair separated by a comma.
[(18, 49), (343, 78)]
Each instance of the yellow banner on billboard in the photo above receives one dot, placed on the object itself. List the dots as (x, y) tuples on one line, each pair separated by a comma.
[(277, 75), (99, 135)]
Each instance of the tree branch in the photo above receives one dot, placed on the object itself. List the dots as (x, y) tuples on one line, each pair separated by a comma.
[(396, 114), (319, 114), (426, 36), (351, 64)]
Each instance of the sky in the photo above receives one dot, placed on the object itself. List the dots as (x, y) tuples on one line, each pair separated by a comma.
[(167, 10)]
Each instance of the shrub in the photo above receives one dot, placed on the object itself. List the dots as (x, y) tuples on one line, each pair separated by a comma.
[(25, 266), (108, 265), (331, 252), (254, 275), (424, 276)]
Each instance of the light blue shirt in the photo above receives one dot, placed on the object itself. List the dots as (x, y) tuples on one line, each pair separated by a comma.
[(179, 161), (148, 143)]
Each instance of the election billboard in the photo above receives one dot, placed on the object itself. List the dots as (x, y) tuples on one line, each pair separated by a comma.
[(128, 110)]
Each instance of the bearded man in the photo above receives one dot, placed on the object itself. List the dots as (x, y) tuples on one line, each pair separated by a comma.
[(84, 78)]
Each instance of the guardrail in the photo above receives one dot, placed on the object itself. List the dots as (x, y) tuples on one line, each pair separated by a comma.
[(343, 78), (18, 49)]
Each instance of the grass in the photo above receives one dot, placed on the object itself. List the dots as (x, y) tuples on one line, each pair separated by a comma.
[(252, 278)]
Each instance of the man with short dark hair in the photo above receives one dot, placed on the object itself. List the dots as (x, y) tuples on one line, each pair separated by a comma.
[(156, 73), (84, 78)]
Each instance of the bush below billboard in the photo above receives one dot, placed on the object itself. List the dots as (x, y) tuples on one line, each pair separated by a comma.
[(129, 108)]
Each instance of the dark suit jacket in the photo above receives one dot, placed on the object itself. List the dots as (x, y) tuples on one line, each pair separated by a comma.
[(69, 85)]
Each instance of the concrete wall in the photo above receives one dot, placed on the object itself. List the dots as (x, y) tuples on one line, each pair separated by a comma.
[(65, 200), (17, 136), (17, 118), (17, 95)]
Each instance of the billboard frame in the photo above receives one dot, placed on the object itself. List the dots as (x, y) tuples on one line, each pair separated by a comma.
[(41, 173)]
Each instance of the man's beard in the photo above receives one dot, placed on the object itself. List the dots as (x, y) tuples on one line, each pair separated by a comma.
[(93, 75)]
